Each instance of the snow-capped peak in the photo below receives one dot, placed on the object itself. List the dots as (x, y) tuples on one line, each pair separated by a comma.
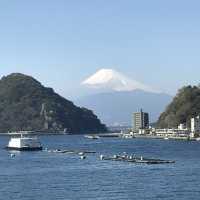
[(113, 80)]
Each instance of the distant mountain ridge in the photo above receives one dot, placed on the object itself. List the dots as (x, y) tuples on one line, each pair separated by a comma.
[(25, 104), (114, 97), (116, 108)]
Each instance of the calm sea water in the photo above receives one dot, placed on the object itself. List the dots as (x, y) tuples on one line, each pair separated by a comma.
[(43, 175)]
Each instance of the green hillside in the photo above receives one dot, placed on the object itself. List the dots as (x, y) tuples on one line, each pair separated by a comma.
[(186, 104), (25, 104)]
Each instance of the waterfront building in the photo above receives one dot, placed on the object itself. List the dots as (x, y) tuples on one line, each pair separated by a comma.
[(195, 126), (140, 120), (173, 132), (182, 127)]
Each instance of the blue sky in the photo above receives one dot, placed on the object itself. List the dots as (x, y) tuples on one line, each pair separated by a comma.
[(62, 42)]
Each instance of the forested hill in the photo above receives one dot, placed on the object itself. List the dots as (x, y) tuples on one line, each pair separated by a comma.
[(25, 104), (186, 104)]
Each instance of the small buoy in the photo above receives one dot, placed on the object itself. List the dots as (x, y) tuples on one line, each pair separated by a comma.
[(115, 156), (83, 157), (12, 155), (101, 157)]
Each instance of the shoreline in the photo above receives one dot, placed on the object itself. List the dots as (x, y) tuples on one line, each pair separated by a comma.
[(164, 137)]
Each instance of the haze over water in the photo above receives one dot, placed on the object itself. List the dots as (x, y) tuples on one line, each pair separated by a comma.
[(43, 175)]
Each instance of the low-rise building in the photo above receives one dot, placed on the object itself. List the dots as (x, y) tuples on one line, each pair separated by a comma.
[(182, 126), (172, 132)]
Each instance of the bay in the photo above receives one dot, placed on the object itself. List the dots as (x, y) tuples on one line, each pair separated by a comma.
[(44, 175)]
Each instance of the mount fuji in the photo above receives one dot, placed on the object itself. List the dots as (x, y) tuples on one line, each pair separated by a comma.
[(109, 79), (114, 97)]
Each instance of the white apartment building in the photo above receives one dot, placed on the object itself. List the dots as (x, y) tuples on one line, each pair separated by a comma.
[(195, 124)]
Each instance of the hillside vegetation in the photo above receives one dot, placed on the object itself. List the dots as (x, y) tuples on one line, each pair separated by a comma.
[(186, 104), (25, 104)]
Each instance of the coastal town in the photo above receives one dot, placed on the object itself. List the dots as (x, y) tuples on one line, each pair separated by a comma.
[(142, 128)]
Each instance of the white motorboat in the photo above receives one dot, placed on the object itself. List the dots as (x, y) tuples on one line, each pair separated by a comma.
[(197, 139), (92, 137), (24, 143), (127, 136)]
